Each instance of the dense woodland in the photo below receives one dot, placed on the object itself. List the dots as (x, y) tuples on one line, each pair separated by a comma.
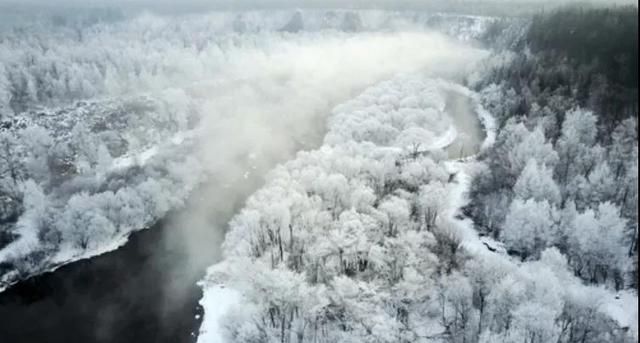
[(565, 163)]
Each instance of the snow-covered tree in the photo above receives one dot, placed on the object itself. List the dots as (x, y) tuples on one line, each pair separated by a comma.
[(536, 182), (624, 146), (529, 227), (576, 145), (36, 142), (596, 243), (533, 146), (11, 168), (458, 315), (599, 186), (82, 224), (431, 202)]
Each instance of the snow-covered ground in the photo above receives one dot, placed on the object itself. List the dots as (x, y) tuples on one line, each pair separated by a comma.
[(216, 300), (623, 307)]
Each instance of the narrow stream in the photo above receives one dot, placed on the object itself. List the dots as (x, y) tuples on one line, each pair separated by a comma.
[(471, 133), (146, 291)]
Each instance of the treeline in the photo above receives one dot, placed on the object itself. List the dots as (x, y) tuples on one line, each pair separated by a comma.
[(598, 39), (563, 171), (54, 63), (588, 57)]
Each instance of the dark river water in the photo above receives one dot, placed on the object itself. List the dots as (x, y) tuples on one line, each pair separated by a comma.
[(146, 290), (115, 297)]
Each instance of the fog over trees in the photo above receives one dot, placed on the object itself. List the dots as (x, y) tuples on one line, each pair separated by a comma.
[(377, 215)]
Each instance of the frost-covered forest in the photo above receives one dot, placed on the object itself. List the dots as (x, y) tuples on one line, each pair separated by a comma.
[(360, 241), (419, 176), (99, 129), (564, 166)]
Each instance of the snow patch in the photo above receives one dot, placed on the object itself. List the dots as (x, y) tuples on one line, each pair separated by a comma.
[(216, 300), (64, 256), (444, 140), (623, 308)]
